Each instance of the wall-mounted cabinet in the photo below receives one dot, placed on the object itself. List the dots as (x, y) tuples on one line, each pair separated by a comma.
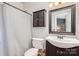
[(39, 18)]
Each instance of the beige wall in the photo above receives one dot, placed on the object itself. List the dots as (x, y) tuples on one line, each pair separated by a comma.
[(17, 4)]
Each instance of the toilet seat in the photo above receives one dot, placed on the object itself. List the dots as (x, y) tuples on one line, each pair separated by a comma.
[(31, 52)]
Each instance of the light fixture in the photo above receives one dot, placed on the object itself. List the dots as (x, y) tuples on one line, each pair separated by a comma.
[(50, 5), (55, 4)]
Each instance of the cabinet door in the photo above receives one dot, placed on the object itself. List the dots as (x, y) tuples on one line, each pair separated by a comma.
[(38, 18), (35, 19), (50, 50), (41, 18)]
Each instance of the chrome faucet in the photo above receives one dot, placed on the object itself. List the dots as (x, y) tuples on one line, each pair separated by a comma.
[(60, 36)]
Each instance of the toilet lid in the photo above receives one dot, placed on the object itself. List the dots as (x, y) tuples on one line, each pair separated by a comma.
[(31, 52)]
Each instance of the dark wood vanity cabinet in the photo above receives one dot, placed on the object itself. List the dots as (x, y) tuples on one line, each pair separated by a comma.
[(39, 18), (52, 50)]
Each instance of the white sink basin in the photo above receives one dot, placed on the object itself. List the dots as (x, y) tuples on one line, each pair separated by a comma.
[(63, 43)]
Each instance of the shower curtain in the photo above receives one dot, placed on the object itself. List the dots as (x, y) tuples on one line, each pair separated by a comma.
[(1, 33), (17, 31)]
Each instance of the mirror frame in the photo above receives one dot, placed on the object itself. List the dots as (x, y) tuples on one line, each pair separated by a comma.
[(73, 20)]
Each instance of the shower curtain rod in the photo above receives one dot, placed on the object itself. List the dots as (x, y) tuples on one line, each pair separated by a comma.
[(17, 8)]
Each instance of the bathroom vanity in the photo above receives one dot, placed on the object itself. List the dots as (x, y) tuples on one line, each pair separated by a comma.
[(57, 47), (52, 50)]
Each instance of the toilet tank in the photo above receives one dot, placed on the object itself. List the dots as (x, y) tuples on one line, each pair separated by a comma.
[(38, 43)]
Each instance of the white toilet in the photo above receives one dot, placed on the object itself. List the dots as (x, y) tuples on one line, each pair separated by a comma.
[(38, 43)]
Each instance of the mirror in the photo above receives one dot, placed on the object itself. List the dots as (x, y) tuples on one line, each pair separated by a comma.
[(62, 20)]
